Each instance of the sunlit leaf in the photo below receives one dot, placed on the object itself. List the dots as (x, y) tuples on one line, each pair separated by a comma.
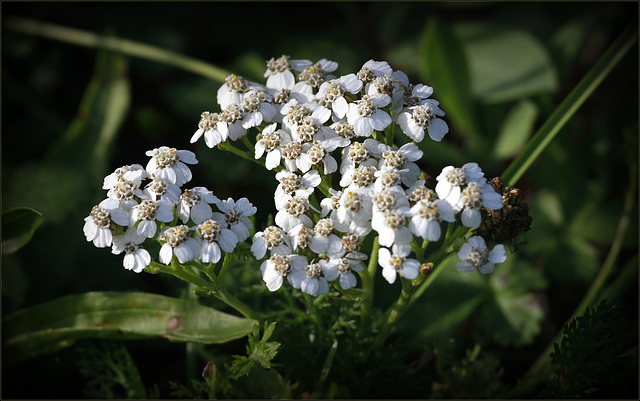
[(505, 63), (59, 323), (516, 129), (18, 226)]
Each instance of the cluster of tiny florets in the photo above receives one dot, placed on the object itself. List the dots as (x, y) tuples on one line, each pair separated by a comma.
[(183, 221), (313, 125)]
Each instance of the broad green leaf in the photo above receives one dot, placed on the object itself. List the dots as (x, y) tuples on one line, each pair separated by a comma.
[(516, 129), (59, 323), (451, 298), (512, 315), (550, 206), (444, 67), (512, 319), (505, 63), (18, 226)]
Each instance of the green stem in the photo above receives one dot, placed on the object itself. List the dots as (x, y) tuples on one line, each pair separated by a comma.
[(570, 105), (367, 276), (225, 265), (176, 270), (230, 148), (124, 46), (541, 367), (226, 297), (324, 373), (397, 310)]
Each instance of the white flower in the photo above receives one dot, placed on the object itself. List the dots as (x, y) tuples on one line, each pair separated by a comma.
[(314, 279), (271, 141), (350, 248), (97, 226), (272, 238), (125, 192), (366, 115), (133, 173), (426, 216), (208, 126), (293, 213), (233, 90), (316, 153), (391, 227), (194, 204), (148, 212), (362, 176), (277, 267), (314, 75), (372, 69), (359, 153), (231, 121), (292, 153), (324, 241), (451, 180), (236, 214), (169, 165), (331, 94), (390, 199), (419, 191), (395, 263), (214, 237), (300, 236), (475, 254), (257, 109), (344, 268), (279, 75), (161, 189), (473, 197), (178, 243), (415, 119), (283, 97), (136, 258), (354, 211), (292, 184), (402, 159)]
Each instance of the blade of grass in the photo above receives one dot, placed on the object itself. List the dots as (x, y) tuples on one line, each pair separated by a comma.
[(124, 46), (539, 370), (570, 105)]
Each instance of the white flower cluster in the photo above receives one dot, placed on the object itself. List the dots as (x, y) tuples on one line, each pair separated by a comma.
[(314, 124), (182, 220)]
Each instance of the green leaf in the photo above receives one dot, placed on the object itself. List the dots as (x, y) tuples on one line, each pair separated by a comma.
[(260, 352), (18, 226), (570, 105), (449, 300), (444, 66), (505, 63), (59, 323), (516, 129), (512, 319), (513, 315)]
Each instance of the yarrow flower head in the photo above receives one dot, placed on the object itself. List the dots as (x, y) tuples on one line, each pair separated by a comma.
[(474, 254), (169, 164)]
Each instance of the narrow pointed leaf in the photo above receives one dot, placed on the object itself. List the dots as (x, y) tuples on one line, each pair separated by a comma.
[(59, 323)]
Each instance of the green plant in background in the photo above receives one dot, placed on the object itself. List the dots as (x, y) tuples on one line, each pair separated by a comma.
[(352, 206)]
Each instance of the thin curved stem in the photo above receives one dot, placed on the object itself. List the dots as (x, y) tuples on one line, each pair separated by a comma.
[(124, 46)]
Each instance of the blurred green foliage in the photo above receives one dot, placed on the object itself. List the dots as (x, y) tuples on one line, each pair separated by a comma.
[(73, 115)]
